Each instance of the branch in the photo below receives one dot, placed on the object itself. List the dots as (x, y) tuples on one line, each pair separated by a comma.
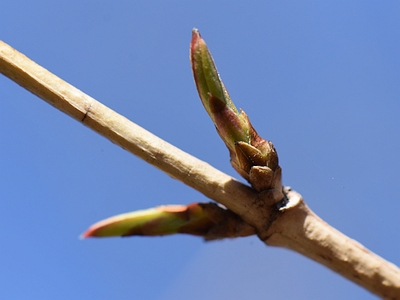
[(289, 224), (300, 229), (119, 130)]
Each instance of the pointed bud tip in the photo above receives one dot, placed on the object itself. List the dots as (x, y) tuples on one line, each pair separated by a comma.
[(86, 234), (196, 39), (195, 32)]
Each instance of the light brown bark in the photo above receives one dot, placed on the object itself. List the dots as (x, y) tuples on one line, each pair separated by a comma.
[(293, 226)]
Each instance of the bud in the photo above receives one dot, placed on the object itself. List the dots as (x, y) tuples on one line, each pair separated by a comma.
[(162, 220), (208, 220), (247, 149)]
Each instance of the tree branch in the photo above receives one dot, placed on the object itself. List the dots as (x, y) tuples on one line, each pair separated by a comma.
[(291, 224), (119, 130), (300, 229)]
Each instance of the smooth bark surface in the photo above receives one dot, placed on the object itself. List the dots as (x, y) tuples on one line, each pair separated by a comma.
[(293, 225), (300, 229)]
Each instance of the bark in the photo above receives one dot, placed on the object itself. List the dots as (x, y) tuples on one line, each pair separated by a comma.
[(290, 223)]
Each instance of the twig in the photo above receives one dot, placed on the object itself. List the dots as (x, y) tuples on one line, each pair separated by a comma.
[(293, 226), (300, 229), (119, 130)]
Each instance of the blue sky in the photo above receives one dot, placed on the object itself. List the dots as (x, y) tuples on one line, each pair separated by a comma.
[(318, 78)]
